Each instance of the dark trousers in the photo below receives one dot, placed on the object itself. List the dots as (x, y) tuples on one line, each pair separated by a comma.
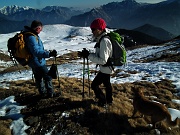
[(43, 81), (104, 79)]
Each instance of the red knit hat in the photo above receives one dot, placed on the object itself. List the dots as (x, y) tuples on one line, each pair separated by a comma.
[(98, 23)]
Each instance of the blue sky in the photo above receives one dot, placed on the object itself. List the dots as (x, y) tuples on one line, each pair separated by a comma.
[(65, 3)]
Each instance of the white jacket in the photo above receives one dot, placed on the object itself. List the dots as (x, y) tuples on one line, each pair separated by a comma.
[(102, 54)]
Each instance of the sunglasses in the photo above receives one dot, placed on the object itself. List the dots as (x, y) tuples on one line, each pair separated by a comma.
[(93, 29)]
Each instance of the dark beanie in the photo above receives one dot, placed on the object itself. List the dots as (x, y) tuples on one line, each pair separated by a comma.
[(35, 24)]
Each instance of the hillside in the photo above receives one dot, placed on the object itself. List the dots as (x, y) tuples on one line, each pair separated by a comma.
[(13, 26), (157, 32), (152, 67), (138, 37), (69, 113)]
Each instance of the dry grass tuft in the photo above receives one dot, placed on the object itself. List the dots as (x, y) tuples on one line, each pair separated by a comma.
[(85, 117), (5, 127)]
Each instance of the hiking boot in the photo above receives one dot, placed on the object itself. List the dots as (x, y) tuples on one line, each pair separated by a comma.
[(109, 102), (101, 103), (43, 95)]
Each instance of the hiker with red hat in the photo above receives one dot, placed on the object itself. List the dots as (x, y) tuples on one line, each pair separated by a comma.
[(103, 51)]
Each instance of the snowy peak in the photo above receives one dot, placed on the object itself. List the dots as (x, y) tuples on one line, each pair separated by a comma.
[(8, 10), (50, 8), (129, 2), (126, 5)]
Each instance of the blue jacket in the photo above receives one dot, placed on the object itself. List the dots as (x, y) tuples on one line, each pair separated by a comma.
[(36, 48)]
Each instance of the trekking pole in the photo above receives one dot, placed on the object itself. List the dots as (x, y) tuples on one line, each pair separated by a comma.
[(88, 75), (16, 64), (83, 76), (57, 75), (33, 77)]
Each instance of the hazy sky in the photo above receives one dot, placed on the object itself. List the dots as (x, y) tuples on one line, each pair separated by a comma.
[(65, 3)]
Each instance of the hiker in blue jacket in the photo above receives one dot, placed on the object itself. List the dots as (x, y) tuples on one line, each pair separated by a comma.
[(103, 52), (38, 62)]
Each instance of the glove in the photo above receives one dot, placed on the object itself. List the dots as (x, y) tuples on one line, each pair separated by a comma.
[(84, 53), (80, 54), (53, 53)]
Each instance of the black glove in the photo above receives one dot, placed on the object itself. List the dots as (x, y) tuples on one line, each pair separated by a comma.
[(80, 54), (84, 53), (53, 53)]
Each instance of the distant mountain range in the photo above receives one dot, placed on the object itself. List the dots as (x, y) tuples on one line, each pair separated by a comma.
[(48, 15), (160, 20), (129, 14), (9, 10), (13, 18)]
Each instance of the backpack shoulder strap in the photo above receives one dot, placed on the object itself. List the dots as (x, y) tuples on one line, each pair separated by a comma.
[(98, 43), (31, 34), (109, 63), (106, 35)]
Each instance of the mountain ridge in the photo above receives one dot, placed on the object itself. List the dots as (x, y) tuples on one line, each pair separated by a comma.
[(159, 15), (8, 10), (153, 31), (127, 14)]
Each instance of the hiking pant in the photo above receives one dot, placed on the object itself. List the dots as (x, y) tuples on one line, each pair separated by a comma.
[(98, 80), (43, 81)]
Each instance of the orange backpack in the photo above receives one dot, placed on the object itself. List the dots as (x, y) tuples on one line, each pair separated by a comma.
[(17, 48)]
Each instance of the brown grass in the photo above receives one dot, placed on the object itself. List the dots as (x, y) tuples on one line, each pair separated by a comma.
[(85, 117), (5, 127)]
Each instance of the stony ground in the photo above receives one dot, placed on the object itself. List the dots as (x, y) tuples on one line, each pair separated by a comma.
[(69, 113)]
